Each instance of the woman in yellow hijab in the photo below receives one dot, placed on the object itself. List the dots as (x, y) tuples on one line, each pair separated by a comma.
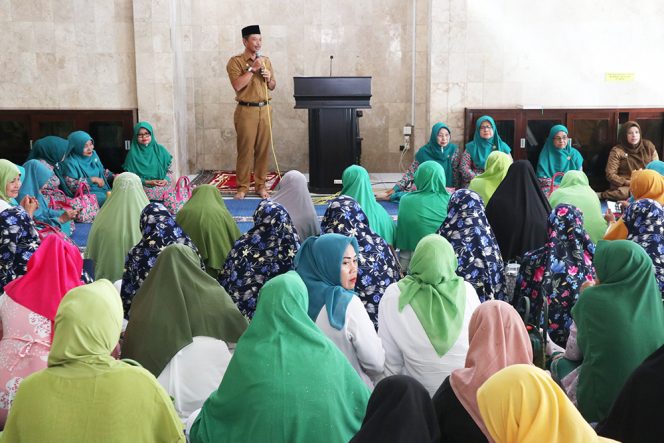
[(522, 403), (645, 183)]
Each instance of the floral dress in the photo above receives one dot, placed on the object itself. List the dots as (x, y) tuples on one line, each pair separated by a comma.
[(18, 241), (159, 230), (53, 183), (378, 267), (644, 220), (465, 167), (157, 193), (407, 181), (469, 232), (556, 272), (24, 347), (263, 252)]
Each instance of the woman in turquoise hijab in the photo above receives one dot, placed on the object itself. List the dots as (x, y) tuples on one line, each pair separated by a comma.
[(421, 212), (557, 155), (439, 149), (150, 161), (82, 164), (356, 184), (472, 161), (656, 165), (36, 176), (50, 150)]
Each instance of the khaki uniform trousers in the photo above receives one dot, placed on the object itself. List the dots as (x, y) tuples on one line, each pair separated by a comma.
[(253, 144)]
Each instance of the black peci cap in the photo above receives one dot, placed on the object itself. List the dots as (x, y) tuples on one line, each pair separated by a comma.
[(248, 30)]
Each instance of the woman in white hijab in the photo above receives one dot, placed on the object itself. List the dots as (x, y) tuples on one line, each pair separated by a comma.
[(293, 195)]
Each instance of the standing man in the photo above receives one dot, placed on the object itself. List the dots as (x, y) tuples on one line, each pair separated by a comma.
[(249, 74)]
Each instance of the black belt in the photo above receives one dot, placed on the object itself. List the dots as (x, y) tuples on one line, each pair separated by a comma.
[(256, 104)]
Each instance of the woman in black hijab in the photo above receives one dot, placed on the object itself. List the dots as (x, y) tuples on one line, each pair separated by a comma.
[(399, 410), (518, 212), (636, 415)]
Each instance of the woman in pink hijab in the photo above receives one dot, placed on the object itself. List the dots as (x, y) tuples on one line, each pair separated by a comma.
[(498, 338), (27, 311)]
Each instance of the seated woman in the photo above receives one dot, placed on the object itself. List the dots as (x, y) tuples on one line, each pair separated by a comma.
[(159, 230), (556, 271), (82, 165), (485, 184), (292, 193), (469, 232), (630, 154), (211, 227), (472, 161), (424, 318), (574, 190), (518, 212), (116, 228), (10, 184), (619, 322), (498, 339), (399, 411), (356, 184), (27, 312), (49, 150), (150, 161), (266, 250), (181, 324), (644, 184), (36, 177), (557, 156), (378, 267), (636, 415), (85, 395), (440, 150), (18, 241), (644, 221), (421, 212), (328, 266), (521, 403), (300, 387)]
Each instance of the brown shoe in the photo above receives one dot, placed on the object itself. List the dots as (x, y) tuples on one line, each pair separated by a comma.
[(239, 195)]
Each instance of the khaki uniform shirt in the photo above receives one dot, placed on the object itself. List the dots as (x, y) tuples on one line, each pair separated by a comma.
[(255, 89)]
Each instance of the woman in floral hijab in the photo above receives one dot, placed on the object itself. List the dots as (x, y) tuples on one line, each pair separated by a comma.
[(265, 251)]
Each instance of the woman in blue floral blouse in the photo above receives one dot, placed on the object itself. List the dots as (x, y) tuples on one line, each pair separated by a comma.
[(18, 241), (378, 267), (469, 232), (159, 230), (263, 252), (644, 220), (557, 270)]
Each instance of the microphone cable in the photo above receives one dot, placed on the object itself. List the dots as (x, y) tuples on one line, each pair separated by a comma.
[(269, 120)]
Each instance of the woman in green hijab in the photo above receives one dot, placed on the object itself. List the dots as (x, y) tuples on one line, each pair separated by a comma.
[(181, 324), (10, 185), (472, 161), (574, 190), (421, 212), (116, 228), (150, 161), (557, 156), (287, 382), (85, 394), (356, 184), (423, 321), (438, 149), (485, 184), (82, 165), (619, 322), (210, 226)]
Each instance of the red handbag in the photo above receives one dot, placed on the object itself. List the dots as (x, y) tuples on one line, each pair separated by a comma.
[(44, 230), (175, 198)]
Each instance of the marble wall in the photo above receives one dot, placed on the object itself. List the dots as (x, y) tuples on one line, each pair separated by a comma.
[(511, 53), (67, 54)]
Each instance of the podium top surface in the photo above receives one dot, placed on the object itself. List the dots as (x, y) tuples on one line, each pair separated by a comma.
[(332, 92)]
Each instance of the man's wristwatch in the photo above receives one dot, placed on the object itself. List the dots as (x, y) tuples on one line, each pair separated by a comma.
[(250, 69)]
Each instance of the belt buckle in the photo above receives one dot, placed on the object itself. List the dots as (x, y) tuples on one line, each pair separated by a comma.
[(261, 104)]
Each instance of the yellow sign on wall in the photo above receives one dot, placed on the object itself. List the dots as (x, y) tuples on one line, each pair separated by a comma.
[(619, 76)]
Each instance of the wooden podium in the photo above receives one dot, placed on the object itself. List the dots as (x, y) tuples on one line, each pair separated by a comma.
[(334, 133)]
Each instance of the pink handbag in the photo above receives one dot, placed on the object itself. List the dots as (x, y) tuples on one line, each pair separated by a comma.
[(58, 200), (86, 203), (44, 230), (175, 198)]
